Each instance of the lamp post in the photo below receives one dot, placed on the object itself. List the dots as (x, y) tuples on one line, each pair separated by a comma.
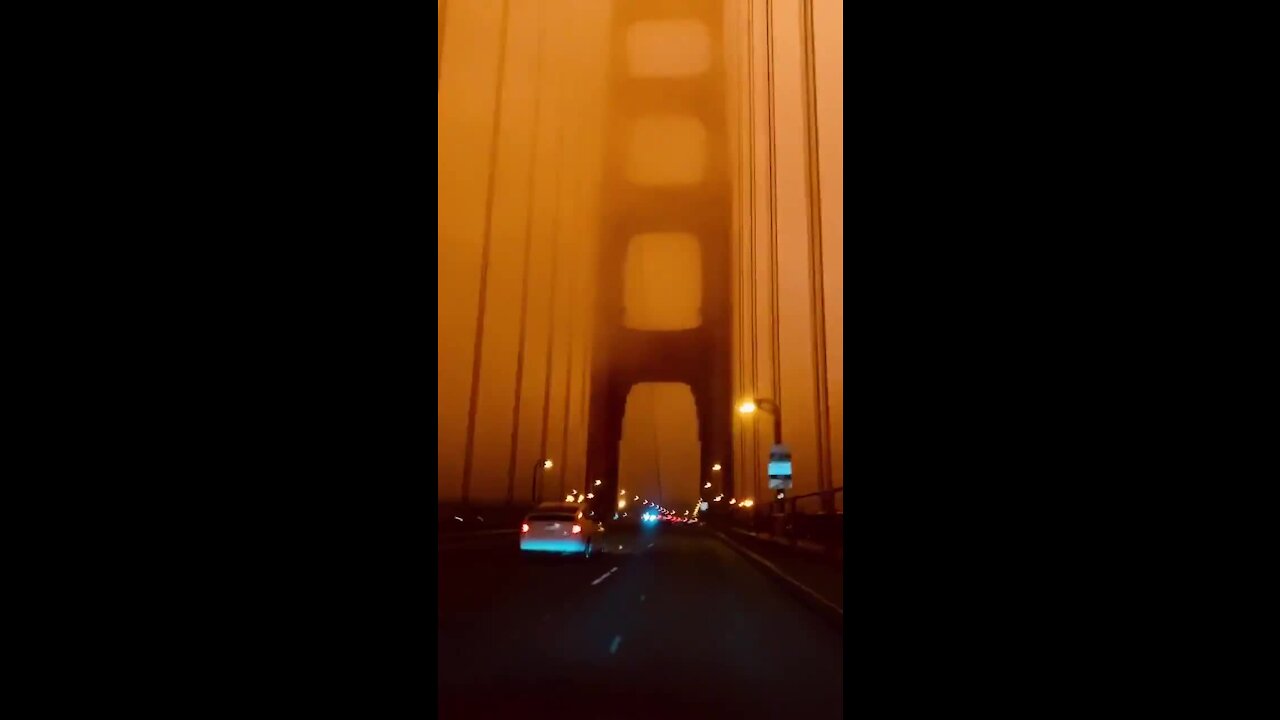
[(715, 469), (533, 490), (750, 406)]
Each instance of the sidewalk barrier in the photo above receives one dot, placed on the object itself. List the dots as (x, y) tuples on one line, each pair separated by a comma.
[(827, 609), (816, 518), (456, 519)]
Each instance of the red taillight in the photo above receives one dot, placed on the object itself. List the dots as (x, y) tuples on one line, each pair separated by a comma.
[(524, 527), (577, 529)]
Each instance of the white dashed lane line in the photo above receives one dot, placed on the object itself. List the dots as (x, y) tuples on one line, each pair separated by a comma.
[(617, 640), (602, 578)]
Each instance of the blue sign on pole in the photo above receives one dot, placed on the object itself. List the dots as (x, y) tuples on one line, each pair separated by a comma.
[(780, 468)]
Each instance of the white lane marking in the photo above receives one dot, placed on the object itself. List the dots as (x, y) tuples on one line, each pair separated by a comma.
[(641, 598), (613, 571), (617, 640), (600, 579), (650, 544)]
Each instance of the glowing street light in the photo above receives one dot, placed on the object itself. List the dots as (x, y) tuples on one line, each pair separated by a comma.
[(707, 485), (599, 482), (545, 464), (622, 503), (750, 406), (715, 468), (590, 495)]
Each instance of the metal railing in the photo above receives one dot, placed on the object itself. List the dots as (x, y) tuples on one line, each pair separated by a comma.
[(453, 518), (813, 519)]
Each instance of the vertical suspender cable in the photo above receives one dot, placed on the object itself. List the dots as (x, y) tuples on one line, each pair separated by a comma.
[(513, 457), (739, 257), (773, 213), (751, 148), (573, 327), (551, 293), (817, 299), (478, 348)]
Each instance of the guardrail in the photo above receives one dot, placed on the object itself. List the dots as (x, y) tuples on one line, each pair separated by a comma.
[(460, 519), (813, 518), (454, 518)]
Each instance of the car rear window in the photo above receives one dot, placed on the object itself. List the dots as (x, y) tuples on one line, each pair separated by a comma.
[(556, 517)]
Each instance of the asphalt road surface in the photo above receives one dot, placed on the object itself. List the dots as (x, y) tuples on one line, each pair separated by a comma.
[(671, 624)]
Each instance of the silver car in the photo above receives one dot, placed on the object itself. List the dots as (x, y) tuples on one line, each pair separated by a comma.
[(561, 528)]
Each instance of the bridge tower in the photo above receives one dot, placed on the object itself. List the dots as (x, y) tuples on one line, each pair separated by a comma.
[(699, 357)]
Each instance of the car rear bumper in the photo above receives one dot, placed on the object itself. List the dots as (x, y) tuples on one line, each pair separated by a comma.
[(566, 545)]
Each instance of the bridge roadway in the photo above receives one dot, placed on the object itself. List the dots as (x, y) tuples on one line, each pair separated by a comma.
[(672, 623)]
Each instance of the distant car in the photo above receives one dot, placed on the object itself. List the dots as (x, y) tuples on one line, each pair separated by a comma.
[(561, 528)]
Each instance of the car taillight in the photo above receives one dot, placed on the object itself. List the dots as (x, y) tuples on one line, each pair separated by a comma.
[(577, 529), (524, 527)]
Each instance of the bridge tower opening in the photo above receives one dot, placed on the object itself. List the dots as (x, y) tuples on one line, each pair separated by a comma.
[(659, 453)]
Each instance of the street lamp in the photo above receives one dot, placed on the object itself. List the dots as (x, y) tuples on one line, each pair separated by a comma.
[(545, 464), (714, 468), (749, 407)]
